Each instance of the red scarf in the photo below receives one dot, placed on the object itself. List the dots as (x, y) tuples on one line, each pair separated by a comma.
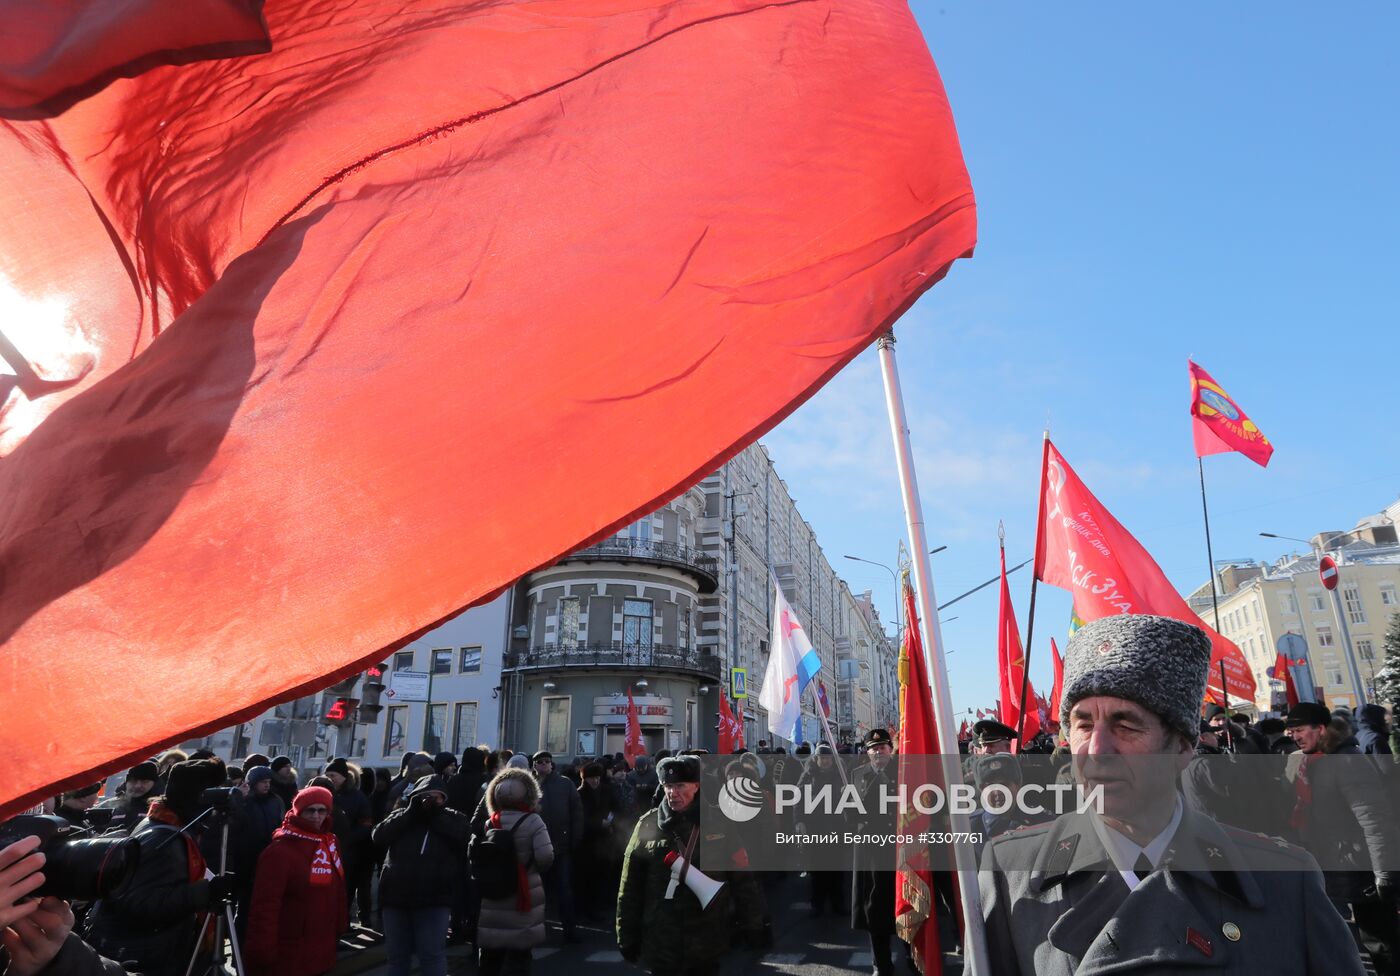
[(522, 878), (325, 864)]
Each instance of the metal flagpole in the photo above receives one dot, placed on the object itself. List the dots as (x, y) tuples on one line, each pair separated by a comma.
[(1030, 617), (974, 935), (1215, 603)]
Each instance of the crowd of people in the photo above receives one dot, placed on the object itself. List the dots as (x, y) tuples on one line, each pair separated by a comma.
[(483, 848)]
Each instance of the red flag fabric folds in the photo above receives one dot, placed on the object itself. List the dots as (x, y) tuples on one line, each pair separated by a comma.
[(1082, 548), (1057, 690), (915, 920), (1218, 424), (725, 726), (1011, 668), (632, 744), (352, 334), (54, 53)]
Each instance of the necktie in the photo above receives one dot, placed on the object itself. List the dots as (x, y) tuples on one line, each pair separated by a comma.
[(1143, 867)]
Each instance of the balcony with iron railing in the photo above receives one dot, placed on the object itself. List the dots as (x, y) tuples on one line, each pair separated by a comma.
[(615, 654), (703, 567)]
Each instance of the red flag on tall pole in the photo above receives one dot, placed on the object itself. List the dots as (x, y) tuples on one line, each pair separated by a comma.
[(1057, 690), (1283, 672), (915, 919), (726, 726), (301, 345), (1085, 550), (632, 745), (1219, 425), (1011, 666)]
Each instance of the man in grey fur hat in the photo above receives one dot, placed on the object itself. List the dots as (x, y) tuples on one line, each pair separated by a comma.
[(1143, 884)]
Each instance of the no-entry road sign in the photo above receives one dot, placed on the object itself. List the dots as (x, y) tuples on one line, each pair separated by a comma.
[(1327, 570)]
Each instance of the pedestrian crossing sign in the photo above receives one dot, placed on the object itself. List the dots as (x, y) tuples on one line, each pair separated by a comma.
[(738, 683)]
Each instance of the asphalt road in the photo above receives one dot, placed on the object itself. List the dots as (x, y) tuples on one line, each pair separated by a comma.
[(803, 946)]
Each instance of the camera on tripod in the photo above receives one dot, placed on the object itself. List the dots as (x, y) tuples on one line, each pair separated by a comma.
[(77, 865)]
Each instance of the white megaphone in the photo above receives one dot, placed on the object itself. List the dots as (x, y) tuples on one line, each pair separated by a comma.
[(704, 887)]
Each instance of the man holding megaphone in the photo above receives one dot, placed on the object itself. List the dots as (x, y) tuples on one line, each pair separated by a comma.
[(672, 917)]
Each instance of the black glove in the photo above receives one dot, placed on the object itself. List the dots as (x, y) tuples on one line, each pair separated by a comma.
[(220, 890), (423, 807)]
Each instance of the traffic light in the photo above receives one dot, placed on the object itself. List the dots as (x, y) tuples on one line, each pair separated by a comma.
[(370, 692), (338, 710)]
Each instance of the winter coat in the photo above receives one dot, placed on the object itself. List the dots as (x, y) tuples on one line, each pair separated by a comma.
[(1371, 732), (261, 816), (298, 908), (502, 924), (1348, 825), (669, 934), (427, 856), (872, 885), (352, 822), (153, 921), (75, 958), (127, 811), (562, 812)]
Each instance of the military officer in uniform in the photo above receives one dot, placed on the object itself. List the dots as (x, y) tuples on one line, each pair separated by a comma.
[(872, 881), (991, 738), (1145, 885)]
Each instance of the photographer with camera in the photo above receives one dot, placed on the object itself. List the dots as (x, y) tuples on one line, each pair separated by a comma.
[(154, 920), (36, 933), (133, 797)]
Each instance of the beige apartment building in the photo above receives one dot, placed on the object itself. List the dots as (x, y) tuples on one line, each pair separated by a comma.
[(1341, 638)]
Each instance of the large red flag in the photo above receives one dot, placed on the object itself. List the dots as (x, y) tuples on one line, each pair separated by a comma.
[(1218, 424), (305, 344), (1057, 690), (1082, 548), (915, 920), (1011, 667), (632, 744), (726, 726)]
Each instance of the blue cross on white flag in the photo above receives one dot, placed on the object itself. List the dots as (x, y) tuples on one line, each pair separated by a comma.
[(791, 665)]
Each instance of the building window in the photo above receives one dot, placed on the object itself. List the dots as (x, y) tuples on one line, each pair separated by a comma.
[(437, 717), (554, 725), (471, 660), (464, 728), (442, 660), (640, 530), (357, 748), (403, 661), (1324, 636), (1315, 598), (1254, 609), (1388, 597), (568, 620), (636, 624), (1334, 677), (1356, 611), (1365, 650), (683, 638), (1289, 604), (395, 729)]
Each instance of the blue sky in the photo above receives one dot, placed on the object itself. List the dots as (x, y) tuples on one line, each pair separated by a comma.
[(1152, 183)]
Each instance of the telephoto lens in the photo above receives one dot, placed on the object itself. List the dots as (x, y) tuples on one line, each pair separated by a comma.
[(77, 865)]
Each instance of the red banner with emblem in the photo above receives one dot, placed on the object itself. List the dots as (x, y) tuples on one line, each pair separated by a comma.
[(1218, 424), (1082, 548)]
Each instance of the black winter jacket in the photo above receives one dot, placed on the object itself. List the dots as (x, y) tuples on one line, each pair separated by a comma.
[(152, 924), (427, 857)]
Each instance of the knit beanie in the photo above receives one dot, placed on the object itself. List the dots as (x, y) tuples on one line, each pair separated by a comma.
[(257, 774), (311, 796), (1158, 662)]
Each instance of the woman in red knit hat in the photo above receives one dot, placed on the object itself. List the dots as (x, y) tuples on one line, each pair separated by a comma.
[(298, 908)]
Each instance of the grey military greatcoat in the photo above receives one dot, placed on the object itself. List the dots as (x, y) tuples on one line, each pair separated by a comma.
[(1055, 905)]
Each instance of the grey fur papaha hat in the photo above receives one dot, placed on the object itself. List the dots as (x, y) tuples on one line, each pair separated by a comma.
[(1158, 662)]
